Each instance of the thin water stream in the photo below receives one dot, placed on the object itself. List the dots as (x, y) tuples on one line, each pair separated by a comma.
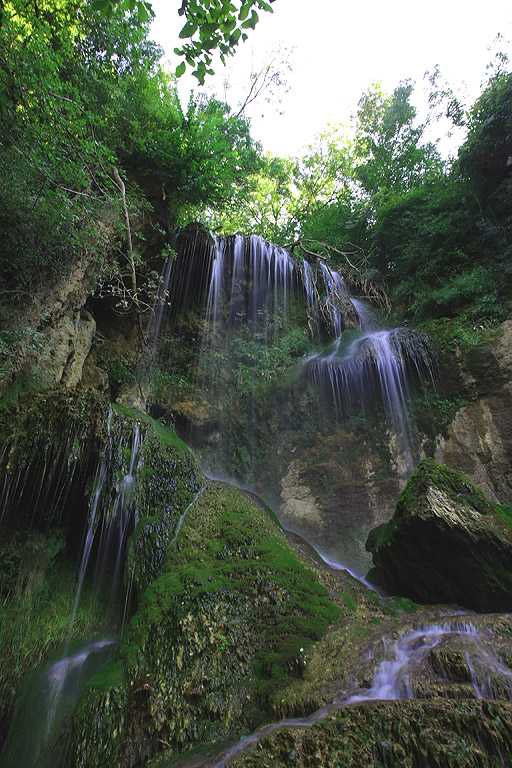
[(45, 705), (396, 676)]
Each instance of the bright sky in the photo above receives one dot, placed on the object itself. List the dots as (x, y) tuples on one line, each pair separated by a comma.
[(340, 48)]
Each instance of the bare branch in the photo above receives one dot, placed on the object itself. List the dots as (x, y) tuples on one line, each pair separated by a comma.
[(356, 274)]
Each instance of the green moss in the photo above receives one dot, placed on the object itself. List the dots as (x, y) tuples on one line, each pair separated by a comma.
[(16, 391), (349, 602), (37, 602), (112, 676), (221, 631), (446, 542), (504, 512), (400, 604), (472, 734), (429, 473), (165, 435), (458, 333)]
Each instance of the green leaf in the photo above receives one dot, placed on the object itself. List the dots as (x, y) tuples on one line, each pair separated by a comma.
[(180, 69), (251, 23), (188, 30), (244, 11), (200, 76), (228, 26), (100, 5), (208, 29), (143, 12)]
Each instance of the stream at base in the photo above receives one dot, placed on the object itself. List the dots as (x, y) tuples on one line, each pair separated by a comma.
[(397, 673)]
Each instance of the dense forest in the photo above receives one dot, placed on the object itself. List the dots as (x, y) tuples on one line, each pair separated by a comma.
[(322, 330), (83, 93)]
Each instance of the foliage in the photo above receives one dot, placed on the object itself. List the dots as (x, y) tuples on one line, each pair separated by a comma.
[(262, 205), (118, 375), (285, 193), (211, 25), (81, 95), (485, 157), (38, 591), (257, 352), (388, 144), (219, 25)]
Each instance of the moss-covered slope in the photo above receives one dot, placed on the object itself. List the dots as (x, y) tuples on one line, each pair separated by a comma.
[(437, 734), (214, 638)]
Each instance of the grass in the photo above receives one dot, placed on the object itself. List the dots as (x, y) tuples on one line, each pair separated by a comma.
[(36, 620)]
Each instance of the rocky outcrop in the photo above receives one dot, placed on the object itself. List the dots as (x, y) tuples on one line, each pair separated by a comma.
[(219, 632), (471, 734), (446, 542), (479, 443), (478, 440), (52, 333)]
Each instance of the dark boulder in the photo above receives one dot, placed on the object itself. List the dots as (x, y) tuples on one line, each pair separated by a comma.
[(446, 542)]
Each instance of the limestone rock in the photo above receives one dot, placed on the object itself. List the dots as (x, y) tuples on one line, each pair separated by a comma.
[(298, 500), (478, 440), (64, 350), (446, 542)]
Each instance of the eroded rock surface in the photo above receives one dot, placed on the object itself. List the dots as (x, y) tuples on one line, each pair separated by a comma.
[(446, 542)]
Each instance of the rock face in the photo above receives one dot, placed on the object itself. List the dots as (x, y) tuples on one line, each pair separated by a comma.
[(216, 636), (478, 440), (446, 542)]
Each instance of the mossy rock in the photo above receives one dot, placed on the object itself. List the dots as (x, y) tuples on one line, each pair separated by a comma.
[(438, 734), (446, 542), (68, 466), (214, 637)]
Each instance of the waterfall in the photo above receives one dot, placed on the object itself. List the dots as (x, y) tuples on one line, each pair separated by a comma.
[(35, 737), (401, 670), (372, 366), (281, 356)]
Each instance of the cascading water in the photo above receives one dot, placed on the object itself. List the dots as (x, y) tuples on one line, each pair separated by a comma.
[(58, 476), (399, 676), (50, 695), (255, 295), (289, 368), (370, 366)]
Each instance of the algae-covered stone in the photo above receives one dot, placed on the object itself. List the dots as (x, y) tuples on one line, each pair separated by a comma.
[(222, 629), (437, 734), (446, 542)]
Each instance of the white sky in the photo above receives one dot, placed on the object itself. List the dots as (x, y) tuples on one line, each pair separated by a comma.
[(341, 48)]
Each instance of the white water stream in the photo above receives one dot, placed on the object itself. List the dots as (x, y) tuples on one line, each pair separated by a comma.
[(394, 677), (50, 695)]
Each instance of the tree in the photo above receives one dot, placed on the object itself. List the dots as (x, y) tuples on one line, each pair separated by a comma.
[(485, 158), (323, 175), (80, 95), (388, 144), (262, 204), (210, 25)]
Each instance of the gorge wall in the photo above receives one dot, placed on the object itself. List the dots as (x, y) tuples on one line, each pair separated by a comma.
[(331, 479)]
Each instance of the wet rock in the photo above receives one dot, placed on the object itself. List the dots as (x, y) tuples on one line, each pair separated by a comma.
[(437, 733), (222, 625), (446, 542)]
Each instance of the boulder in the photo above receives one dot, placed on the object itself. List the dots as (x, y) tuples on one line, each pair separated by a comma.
[(446, 542)]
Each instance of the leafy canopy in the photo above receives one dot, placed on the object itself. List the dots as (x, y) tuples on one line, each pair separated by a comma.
[(210, 25), (81, 94)]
